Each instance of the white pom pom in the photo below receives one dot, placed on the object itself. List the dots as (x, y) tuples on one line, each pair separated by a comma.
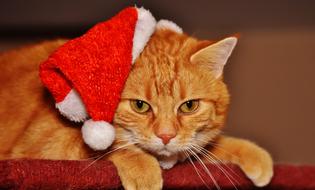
[(99, 135), (72, 107)]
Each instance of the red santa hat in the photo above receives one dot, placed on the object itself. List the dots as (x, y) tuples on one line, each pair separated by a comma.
[(87, 74)]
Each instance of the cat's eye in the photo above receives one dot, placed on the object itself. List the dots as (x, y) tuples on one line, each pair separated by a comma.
[(189, 106), (139, 106)]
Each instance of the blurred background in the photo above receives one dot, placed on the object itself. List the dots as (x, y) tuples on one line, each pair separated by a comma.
[(271, 75)]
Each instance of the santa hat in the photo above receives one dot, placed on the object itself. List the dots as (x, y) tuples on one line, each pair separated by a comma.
[(87, 74)]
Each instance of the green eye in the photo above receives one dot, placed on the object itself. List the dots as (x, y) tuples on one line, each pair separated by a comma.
[(189, 106), (139, 106)]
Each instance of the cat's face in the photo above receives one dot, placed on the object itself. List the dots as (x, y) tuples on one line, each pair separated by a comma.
[(174, 97)]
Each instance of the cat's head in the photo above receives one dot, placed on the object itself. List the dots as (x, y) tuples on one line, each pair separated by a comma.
[(174, 97)]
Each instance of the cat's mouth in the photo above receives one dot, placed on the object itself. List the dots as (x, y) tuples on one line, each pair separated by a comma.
[(154, 146), (165, 152)]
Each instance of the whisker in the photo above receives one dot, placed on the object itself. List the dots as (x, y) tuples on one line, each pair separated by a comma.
[(205, 168), (219, 146), (196, 169), (102, 156), (216, 145), (212, 160), (213, 155), (119, 142), (90, 158)]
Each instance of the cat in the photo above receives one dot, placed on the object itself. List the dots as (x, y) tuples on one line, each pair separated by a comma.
[(173, 106)]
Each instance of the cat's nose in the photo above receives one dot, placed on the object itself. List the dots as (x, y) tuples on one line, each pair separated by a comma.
[(166, 137)]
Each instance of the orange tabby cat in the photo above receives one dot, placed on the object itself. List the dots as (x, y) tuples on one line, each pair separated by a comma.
[(173, 106)]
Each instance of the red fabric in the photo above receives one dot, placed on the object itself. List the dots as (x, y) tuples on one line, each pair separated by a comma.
[(96, 65), (45, 174)]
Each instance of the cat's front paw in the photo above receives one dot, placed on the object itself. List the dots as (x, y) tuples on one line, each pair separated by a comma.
[(137, 169), (141, 180), (258, 166)]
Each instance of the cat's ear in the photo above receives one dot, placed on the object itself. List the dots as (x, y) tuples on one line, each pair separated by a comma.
[(215, 55)]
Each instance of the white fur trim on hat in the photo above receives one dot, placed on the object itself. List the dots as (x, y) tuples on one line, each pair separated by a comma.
[(99, 135), (145, 27), (72, 107), (167, 24)]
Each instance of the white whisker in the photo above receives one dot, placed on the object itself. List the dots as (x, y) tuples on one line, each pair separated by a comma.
[(213, 155), (196, 169), (90, 158), (219, 146), (101, 156), (205, 168), (212, 160)]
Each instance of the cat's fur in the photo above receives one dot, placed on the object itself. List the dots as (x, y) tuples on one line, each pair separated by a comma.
[(165, 76)]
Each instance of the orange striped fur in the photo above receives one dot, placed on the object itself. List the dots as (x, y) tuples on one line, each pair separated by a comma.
[(164, 77)]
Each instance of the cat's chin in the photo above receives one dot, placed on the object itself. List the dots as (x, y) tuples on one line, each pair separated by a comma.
[(161, 151), (167, 162), (168, 159), (164, 152)]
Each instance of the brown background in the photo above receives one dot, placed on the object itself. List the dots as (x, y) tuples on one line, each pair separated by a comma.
[(270, 75)]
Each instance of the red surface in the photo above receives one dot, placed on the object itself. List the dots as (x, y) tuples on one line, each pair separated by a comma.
[(96, 65), (46, 174)]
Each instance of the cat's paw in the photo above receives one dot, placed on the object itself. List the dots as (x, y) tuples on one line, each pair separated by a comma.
[(147, 181), (142, 178), (258, 166)]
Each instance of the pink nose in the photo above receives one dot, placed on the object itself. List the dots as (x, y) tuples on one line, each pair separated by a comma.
[(166, 137)]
